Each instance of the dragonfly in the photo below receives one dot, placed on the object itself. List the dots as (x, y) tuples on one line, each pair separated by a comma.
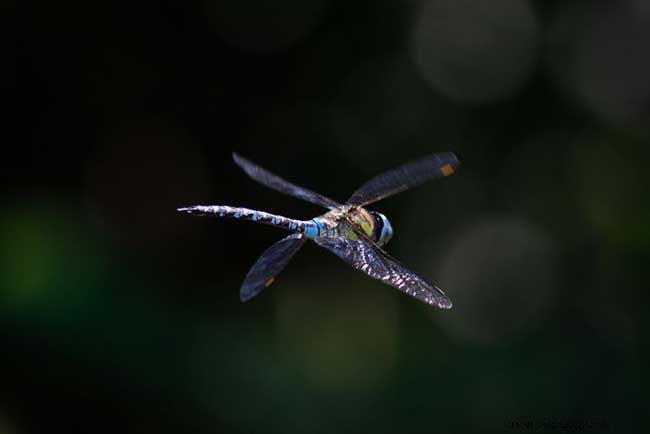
[(350, 231)]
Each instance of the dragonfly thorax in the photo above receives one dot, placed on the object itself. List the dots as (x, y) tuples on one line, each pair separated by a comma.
[(374, 224)]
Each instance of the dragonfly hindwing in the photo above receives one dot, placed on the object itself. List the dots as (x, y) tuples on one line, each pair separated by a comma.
[(269, 265)]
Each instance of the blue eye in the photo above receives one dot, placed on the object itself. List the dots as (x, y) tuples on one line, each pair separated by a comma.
[(386, 231), (383, 228)]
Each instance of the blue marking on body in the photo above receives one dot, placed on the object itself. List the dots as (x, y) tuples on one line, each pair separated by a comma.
[(312, 229), (237, 215)]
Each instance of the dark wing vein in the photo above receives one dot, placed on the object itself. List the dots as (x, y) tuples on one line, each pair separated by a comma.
[(366, 256), (270, 180), (404, 177), (269, 265)]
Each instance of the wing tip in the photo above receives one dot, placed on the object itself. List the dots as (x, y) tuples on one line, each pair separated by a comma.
[(450, 163), (236, 157), (245, 295), (453, 159), (250, 291), (441, 300)]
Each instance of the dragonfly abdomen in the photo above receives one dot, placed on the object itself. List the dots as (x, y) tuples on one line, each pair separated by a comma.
[(248, 214)]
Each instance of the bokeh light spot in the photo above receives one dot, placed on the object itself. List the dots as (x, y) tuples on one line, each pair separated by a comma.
[(501, 276), (384, 103), (475, 52), (598, 56)]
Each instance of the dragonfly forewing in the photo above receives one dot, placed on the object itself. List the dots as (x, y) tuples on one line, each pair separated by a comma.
[(276, 183), (367, 257), (404, 177)]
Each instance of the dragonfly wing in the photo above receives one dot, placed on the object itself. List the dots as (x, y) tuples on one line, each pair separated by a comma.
[(366, 256), (404, 177), (270, 180), (269, 265)]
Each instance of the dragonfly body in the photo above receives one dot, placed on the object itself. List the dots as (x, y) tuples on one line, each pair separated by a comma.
[(348, 230), (336, 223)]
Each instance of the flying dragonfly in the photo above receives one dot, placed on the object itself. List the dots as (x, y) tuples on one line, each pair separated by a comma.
[(348, 230)]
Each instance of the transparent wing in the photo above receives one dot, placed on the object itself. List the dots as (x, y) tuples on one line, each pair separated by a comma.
[(366, 256), (269, 265), (270, 180), (404, 177)]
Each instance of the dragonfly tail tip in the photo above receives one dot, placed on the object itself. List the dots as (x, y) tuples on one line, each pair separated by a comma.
[(187, 209)]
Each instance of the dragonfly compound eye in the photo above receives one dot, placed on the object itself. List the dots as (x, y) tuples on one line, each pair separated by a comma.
[(383, 229)]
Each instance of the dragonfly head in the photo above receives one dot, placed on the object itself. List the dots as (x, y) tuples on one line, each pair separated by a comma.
[(383, 231)]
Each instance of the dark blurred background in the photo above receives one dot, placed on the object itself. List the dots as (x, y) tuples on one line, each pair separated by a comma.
[(119, 315)]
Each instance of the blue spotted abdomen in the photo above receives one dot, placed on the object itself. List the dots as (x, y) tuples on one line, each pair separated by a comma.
[(249, 214)]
